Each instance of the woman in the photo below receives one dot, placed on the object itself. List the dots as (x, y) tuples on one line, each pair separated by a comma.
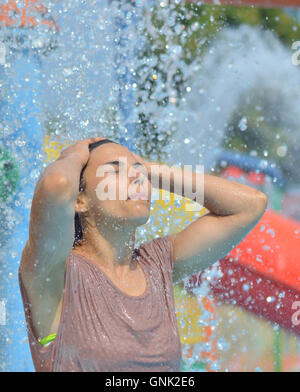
[(109, 305)]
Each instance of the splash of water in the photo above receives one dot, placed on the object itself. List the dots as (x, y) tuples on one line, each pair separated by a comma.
[(88, 86)]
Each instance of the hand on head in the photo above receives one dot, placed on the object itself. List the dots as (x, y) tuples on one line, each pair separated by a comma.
[(81, 149)]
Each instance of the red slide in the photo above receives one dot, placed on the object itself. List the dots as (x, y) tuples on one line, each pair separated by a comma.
[(262, 273)]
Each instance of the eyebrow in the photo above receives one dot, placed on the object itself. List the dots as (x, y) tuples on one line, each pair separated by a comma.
[(118, 163)]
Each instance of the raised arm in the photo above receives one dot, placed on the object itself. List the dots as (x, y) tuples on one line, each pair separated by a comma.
[(234, 210), (51, 232)]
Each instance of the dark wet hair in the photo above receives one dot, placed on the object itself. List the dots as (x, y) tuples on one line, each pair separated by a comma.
[(77, 218)]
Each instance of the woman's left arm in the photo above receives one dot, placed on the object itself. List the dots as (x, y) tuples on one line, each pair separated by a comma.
[(234, 210)]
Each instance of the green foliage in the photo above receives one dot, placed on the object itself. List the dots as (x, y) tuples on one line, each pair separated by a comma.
[(286, 28), (211, 19), (265, 127), (9, 175), (242, 15)]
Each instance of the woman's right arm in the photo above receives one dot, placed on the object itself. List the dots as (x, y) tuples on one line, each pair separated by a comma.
[(51, 227)]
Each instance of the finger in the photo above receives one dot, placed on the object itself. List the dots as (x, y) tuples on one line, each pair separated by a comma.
[(96, 139), (91, 140)]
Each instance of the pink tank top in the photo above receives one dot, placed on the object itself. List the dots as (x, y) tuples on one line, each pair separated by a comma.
[(102, 329)]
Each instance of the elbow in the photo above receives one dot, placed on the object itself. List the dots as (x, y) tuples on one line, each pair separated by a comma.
[(263, 199), (260, 203), (56, 186)]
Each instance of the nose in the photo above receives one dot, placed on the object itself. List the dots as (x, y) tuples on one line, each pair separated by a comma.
[(137, 178), (135, 174)]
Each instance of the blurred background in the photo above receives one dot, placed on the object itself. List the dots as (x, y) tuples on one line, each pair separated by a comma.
[(178, 82)]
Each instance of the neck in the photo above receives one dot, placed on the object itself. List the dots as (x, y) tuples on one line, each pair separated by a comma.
[(111, 245)]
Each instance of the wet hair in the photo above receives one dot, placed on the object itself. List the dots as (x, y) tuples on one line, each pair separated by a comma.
[(77, 218)]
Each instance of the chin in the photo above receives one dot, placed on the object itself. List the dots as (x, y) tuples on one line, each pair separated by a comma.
[(140, 214)]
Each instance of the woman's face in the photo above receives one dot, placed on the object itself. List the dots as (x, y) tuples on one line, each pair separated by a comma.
[(112, 177)]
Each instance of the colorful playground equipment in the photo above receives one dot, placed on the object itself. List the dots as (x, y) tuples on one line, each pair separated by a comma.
[(260, 275), (196, 317)]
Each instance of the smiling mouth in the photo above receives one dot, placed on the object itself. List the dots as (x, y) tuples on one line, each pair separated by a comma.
[(142, 197), (139, 198)]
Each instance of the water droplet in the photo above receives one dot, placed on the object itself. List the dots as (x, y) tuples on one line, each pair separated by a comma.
[(243, 124), (282, 151), (270, 299)]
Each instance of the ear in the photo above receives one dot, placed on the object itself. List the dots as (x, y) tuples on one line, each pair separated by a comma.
[(81, 204)]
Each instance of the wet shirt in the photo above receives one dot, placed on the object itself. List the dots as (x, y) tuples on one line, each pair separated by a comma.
[(102, 329)]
